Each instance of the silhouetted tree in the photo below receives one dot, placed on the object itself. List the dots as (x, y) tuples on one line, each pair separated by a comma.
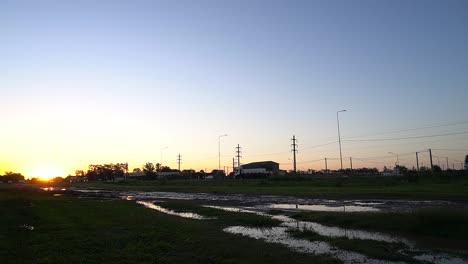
[(12, 176), (106, 171), (149, 170)]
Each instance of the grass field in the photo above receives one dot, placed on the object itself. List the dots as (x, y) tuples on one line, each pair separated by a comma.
[(358, 187), (438, 228), (37, 227), (67, 229)]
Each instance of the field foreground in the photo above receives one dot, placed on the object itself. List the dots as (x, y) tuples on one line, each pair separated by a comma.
[(60, 226)]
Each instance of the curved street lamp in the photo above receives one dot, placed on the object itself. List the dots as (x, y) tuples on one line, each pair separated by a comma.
[(397, 159), (219, 150), (162, 153)]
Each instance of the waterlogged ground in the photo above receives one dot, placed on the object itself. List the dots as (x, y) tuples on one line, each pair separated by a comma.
[(302, 236), (281, 202)]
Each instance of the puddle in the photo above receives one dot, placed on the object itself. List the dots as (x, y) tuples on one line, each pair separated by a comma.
[(440, 259), (325, 208), (128, 197), (289, 202), (171, 212), (58, 194), (335, 232), (280, 235), (236, 209), (320, 229), (50, 189), (27, 227)]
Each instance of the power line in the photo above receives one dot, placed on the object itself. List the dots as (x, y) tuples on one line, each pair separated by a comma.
[(460, 150), (405, 138), (321, 145), (411, 129)]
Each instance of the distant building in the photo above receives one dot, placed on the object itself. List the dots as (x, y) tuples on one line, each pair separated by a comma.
[(136, 174), (166, 174), (466, 162), (257, 169), (389, 172)]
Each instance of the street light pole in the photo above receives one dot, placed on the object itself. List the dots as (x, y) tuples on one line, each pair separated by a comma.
[(161, 155), (219, 150), (397, 160), (339, 136)]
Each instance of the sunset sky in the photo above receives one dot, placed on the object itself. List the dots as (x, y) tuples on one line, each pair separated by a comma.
[(92, 82)]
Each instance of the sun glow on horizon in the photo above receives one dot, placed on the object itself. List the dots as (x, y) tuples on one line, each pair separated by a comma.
[(45, 173)]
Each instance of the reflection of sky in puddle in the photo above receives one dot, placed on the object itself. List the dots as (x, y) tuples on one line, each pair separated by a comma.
[(280, 235), (440, 259), (325, 208), (47, 189), (266, 200), (319, 228), (171, 212), (27, 227), (337, 231)]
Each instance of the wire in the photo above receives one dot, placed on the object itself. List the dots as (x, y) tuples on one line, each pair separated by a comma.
[(404, 138), (460, 150), (411, 129), (322, 145)]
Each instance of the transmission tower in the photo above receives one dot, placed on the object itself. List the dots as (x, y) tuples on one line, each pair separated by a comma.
[(179, 160), (238, 154), (294, 150)]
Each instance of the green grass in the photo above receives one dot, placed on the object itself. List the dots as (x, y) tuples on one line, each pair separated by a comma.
[(68, 229), (370, 248), (359, 187), (445, 225)]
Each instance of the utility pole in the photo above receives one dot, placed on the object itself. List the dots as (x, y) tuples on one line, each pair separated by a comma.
[(294, 150), (179, 160), (238, 154), (339, 136), (233, 169), (430, 158), (417, 161), (326, 166), (446, 159), (351, 163)]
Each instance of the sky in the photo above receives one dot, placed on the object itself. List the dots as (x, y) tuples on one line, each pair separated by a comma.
[(94, 82)]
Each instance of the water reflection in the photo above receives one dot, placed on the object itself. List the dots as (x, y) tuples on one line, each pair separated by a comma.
[(440, 259), (27, 227), (128, 197), (171, 212), (280, 235), (319, 228), (325, 208), (265, 201)]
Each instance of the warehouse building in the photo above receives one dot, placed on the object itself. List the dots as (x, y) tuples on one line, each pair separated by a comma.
[(261, 169)]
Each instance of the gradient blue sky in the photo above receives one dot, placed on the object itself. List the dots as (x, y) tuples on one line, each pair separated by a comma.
[(113, 81)]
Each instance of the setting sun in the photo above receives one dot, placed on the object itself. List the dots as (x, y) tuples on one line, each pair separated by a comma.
[(45, 173)]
